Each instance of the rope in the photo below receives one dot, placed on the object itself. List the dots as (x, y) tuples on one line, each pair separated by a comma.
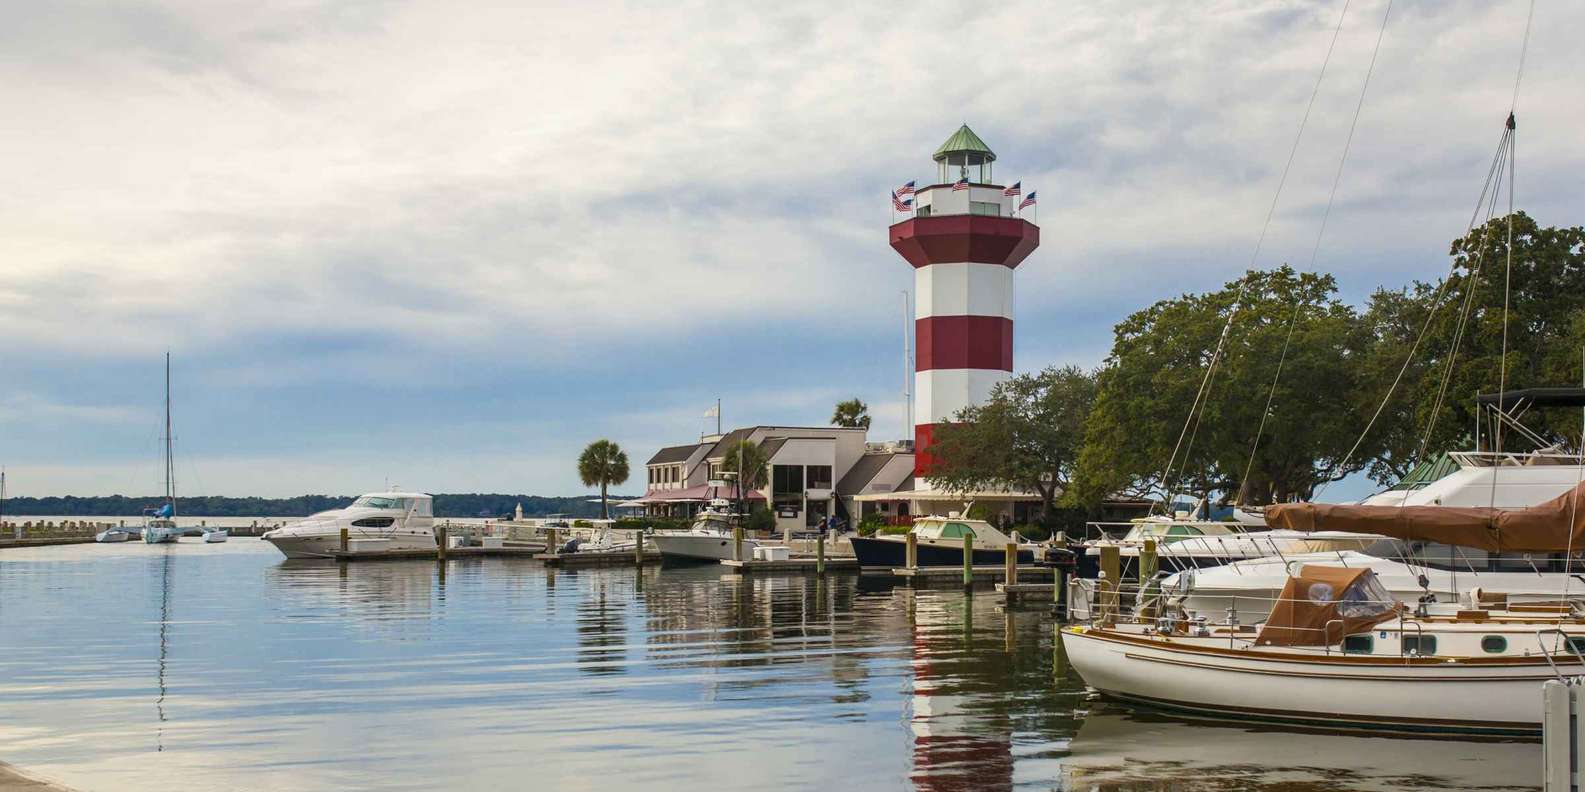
[(1260, 241), (1331, 197)]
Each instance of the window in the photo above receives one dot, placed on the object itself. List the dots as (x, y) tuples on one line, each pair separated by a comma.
[(817, 476), (787, 479), (985, 208), (374, 522), (1494, 644), (1359, 644), (1184, 530), (1422, 645), (922, 211), (652, 475), (1576, 644), (956, 531)]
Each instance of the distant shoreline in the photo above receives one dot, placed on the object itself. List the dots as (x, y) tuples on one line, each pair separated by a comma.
[(447, 505)]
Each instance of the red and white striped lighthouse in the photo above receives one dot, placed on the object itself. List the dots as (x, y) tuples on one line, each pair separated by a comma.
[(964, 241)]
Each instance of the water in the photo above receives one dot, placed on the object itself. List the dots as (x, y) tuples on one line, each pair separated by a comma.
[(191, 666)]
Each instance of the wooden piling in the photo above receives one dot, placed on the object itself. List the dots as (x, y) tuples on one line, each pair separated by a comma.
[(1112, 568), (1147, 579), (343, 540), (911, 548), (1011, 573), (638, 551), (737, 543), (968, 560), (820, 555), (440, 536), (1059, 598), (551, 545)]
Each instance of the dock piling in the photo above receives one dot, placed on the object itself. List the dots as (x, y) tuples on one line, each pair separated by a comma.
[(638, 551), (1112, 568), (968, 560), (1147, 577), (440, 534), (737, 543), (911, 548), (1011, 575), (343, 540), (820, 555)]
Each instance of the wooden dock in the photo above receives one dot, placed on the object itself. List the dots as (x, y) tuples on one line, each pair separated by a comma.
[(800, 565), (953, 575), (431, 555), (597, 558)]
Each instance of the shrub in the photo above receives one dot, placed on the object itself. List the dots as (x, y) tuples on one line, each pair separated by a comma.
[(760, 518), (870, 524), (893, 530), (1034, 532)]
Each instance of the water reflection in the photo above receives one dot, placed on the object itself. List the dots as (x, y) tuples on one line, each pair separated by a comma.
[(1118, 748), (480, 673)]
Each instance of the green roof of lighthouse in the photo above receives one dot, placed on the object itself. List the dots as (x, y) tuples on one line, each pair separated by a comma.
[(964, 140)]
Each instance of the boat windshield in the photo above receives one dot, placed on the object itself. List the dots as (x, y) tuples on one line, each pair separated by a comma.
[(379, 502)]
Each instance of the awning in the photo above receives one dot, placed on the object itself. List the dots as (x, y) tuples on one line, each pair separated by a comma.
[(703, 492), (1552, 527)]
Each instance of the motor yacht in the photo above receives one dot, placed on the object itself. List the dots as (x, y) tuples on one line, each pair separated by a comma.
[(938, 541), (709, 538), (376, 521)]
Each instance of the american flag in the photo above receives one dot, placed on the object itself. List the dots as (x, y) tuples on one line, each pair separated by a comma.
[(1016, 189), (902, 204), (906, 189), (1027, 202), (961, 184)]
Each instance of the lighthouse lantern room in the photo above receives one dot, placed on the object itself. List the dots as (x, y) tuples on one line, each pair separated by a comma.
[(964, 241)]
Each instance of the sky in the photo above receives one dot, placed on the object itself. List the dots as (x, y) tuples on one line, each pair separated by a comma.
[(444, 247)]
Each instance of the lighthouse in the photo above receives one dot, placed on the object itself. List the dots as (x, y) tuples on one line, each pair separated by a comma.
[(964, 241)]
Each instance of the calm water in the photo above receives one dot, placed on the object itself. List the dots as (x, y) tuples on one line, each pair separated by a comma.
[(130, 667)]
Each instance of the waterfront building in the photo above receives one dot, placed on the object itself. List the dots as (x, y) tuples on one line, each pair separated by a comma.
[(814, 472)]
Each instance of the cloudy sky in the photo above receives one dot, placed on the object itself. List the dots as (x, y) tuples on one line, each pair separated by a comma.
[(445, 245)]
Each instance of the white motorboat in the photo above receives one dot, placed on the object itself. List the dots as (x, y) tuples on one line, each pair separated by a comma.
[(376, 521), (110, 535), (216, 535), (1335, 649), (708, 539), (1248, 587)]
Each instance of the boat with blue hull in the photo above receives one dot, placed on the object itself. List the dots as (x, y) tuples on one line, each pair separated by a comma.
[(938, 541)]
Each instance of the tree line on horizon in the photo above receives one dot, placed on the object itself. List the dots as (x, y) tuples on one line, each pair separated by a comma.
[(457, 505), (1077, 437)]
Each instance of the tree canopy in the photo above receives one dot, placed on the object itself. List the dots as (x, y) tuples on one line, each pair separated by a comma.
[(852, 414), (756, 466), (1025, 437), (602, 464), (1147, 389)]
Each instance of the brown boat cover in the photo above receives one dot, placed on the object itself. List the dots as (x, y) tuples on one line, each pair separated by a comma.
[(1321, 604), (1552, 527)]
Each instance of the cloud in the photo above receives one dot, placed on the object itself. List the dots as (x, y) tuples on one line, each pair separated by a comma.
[(377, 197)]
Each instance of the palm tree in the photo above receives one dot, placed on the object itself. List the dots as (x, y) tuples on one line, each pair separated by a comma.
[(604, 463), (755, 465), (852, 414)]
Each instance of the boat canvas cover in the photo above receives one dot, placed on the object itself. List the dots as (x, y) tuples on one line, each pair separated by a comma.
[(1555, 526), (1321, 604)]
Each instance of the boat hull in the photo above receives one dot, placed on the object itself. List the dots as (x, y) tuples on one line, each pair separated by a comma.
[(1336, 691), (893, 554), (699, 548), (106, 537), (320, 545), (160, 536)]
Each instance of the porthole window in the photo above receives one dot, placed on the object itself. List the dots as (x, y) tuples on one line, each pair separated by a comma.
[(1359, 644), (374, 522), (1422, 645), (1494, 644)]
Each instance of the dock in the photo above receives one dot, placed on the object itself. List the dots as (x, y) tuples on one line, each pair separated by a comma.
[(953, 575), (800, 565), (418, 555), (597, 558)]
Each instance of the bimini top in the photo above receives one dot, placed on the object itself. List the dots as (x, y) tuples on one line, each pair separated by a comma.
[(1321, 604), (1534, 397), (1555, 526), (963, 140)]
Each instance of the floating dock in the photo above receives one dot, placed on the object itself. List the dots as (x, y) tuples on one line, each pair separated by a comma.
[(800, 565), (597, 558), (451, 552), (945, 575)]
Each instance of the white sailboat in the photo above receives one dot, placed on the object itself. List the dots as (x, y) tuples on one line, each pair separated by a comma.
[(159, 527)]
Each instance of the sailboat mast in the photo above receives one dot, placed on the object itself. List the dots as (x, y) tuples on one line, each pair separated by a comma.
[(170, 468)]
